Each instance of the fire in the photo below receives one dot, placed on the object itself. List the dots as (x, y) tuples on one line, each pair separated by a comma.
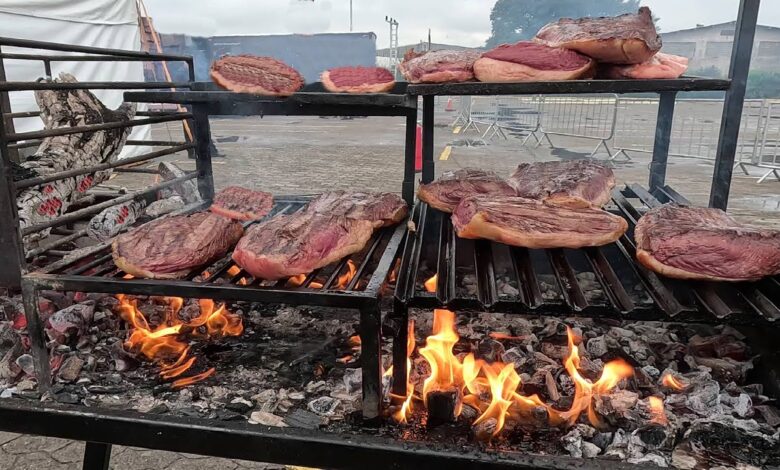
[(402, 415), (445, 367), (498, 335), (503, 382), (430, 284), (233, 270), (164, 344), (673, 382), (657, 413), (345, 278), (394, 273)]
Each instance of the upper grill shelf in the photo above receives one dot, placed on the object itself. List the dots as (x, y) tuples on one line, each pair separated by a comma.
[(596, 282)]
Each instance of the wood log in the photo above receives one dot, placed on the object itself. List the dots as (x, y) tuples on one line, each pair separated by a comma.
[(188, 190), (112, 220), (441, 406)]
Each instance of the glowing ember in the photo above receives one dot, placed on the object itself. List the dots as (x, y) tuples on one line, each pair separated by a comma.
[(498, 335), (345, 278), (402, 415), (430, 284), (394, 273), (673, 382), (297, 281), (234, 270), (346, 359), (658, 415)]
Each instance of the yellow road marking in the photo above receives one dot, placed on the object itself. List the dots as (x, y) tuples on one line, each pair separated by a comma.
[(456, 130), (445, 154)]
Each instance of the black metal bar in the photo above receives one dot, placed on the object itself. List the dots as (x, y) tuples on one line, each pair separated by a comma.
[(24, 145), (741, 52), (526, 277), (8, 124), (79, 214), (675, 196), (146, 171), (97, 456), (609, 281), (366, 261), (54, 244), (29, 86), (203, 152), (400, 338), (371, 360), (407, 187), (84, 58), (567, 280), (21, 114), (328, 284), (47, 68), (409, 271), (487, 291), (103, 166), (94, 263), (54, 46), (663, 135), (445, 264), (35, 332), (427, 139), (155, 143), (96, 127)]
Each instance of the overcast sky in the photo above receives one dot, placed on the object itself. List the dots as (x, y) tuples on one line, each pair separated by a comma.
[(462, 22)]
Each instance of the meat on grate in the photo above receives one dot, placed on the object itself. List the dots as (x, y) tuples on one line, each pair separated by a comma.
[(240, 203), (659, 66), (447, 191), (575, 183), (256, 75), (529, 61), (438, 66), (358, 80)]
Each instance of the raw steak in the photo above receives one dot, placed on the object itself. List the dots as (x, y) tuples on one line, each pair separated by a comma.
[(240, 203), (256, 75), (358, 80), (659, 66), (528, 61), (533, 224), (706, 244), (575, 183), (332, 226), (624, 39), (171, 247), (447, 191), (439, 66)]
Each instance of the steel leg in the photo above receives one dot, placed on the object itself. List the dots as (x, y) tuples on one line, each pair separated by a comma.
[(36, 334), (203, 152), (97, 456), (407, 188), (371, 361), (400, 337), (663, 134), (427, 139)]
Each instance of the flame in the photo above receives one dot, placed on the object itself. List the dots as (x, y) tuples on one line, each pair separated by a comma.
[(346, 359), (673, 382), (394, 273), (205, 274), (499, 336), (503, 382), (430, 284), (657, 413), (402, 415), (344, 279), (445, 366), (233, 270), (297, 281), (164, 344)]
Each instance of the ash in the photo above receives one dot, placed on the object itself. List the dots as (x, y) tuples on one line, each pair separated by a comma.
[(300, 367)]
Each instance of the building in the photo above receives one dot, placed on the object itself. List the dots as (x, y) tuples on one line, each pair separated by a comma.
[(709, 47)]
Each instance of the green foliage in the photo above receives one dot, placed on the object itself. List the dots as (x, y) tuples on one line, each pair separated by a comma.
[(763, 84), (515, 20)]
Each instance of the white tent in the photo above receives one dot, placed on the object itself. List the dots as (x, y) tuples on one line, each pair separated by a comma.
[(99, 23)]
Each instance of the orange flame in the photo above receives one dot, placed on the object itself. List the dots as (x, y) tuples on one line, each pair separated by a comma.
[(657, 413), (445, 366), (498, 335), (394, 273), (503, 382), (233, 270), (344, 279), (297, 281), (673, 382), (430, 284), (402, 415)]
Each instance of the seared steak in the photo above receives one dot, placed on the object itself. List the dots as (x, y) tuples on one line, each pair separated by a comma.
[(240, 203), (575, 183), (533, 224), (707, 244), (659, 66), (358, 80), (256, 75), (447, 191), (624, 39), (439, 66), (528, 61), (332, 226), (171, 247)]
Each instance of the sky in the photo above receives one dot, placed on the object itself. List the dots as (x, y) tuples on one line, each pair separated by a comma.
[(460, 22)]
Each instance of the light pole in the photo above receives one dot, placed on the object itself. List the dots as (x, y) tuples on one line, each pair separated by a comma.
[(393, 42), (350, 16)]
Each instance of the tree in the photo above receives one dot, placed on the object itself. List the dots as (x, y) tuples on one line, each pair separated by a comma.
[(515, 20)]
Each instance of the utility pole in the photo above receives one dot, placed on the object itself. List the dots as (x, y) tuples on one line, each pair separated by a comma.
[(393, 42), (350, 16)]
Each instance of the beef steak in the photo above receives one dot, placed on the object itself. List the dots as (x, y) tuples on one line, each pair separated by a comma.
[(528, 61), (358, 80), (534, 224), (256, 75), (659, 66), (240, 203), (439, 66), (705, 244), (171, 247), (624, 39), (447, 191), (574, 183), (382, 209)]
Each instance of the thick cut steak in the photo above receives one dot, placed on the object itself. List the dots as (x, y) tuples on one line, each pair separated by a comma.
[(575, 183), (659, 66), (171, 247), (256, 75), (332, 226), (447, 191), (240, 203), (439, 66), (706, 244), (358, 80), (529, 61), (624, 39), (533, 224)]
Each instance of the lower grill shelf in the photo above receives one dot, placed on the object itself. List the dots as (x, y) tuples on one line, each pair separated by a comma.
[(597, 282)]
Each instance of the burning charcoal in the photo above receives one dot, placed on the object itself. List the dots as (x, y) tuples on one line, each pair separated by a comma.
[(718, 346), (769, 414), (304, 419), (651, 437), (515, 356), (589, 450), (597, 347), (70, 369), (489, 350), (25, 385), (484, 430), (106, 389), (554, 351), (542, 360), (324, 406), (552, 328), (353, 380), (240, 405), (509, 289), (615, 407), (442, 405), (266, 419), (9, 369), (67, 398), (551, 387), (316, 387), (651, 371), (655, 459), (296, 396), (69, 324), (603, 439), (8, 336), (27, 364), (619, 446), (725, 369), (469, 413), (741, 404), (574, 440)]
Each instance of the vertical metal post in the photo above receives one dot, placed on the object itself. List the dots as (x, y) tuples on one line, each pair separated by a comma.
[(203, 151), (427, 139), (407, 187), (732, 106), (371, 360), (350, 16), (400, 337), (5, 107), (97, 456), (663, 135), (36, 334)]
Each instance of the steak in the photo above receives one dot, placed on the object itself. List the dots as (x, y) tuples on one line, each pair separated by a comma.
[(439, 66), (534, 224), (705, 244), (239, 203), (624, 39), (171, 247), (659, 66), (447, 191), (528, 61), (358, 80), (256, 75), (575, 183), (330, 227)]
